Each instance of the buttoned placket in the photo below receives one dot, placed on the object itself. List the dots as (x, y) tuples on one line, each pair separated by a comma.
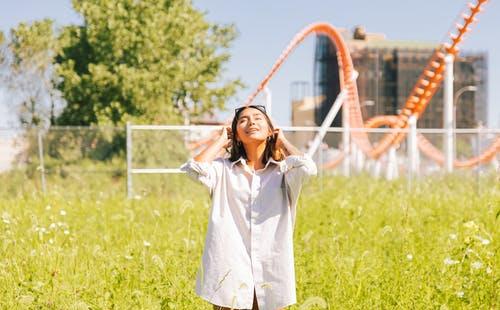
[(255, 231)]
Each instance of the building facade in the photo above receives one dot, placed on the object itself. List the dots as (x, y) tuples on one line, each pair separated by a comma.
[(388, 70)]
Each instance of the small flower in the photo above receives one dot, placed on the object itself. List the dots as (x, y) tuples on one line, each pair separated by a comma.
[(485, 241), (146, 243), (6, 218), (488, 270), (48, 207), (460, 294), (62, 212), (477, 265), (448, 261), (156, 213), (409, 256), (128, 257), (53, 226), (51, 241), (66, 232), (470, 224), (453, 236), (43, 230)]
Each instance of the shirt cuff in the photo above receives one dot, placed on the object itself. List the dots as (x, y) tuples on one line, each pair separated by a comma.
[(296, 161), (199, 168)]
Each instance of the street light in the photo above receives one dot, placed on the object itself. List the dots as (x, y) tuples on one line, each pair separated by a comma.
[(366, 103), (462, 90)]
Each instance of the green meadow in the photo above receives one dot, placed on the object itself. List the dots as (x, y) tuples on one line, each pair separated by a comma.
[(360, 243)]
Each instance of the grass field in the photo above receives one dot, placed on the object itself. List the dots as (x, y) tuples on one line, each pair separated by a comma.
[(360, 243)]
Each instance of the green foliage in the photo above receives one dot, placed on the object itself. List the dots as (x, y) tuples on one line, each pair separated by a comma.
[(31, 77), (143, 61)]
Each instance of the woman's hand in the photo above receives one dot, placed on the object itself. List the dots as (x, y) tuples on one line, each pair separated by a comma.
[(225, 137), (280, 138)]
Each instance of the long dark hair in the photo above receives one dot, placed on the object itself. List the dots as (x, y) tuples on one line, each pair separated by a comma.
[(271, 151)]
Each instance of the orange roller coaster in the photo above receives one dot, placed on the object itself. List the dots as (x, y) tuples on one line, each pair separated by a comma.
[(420, 96)]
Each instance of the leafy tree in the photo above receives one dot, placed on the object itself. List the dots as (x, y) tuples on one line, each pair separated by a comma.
[(144, 61), (30, 78)]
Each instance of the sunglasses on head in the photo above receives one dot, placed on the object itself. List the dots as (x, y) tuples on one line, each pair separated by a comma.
[(259, 107)]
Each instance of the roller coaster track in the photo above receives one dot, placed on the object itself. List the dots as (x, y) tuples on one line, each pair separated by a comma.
[(423, 91)]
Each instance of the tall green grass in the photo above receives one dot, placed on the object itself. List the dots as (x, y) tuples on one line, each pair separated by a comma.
[(360, 243)]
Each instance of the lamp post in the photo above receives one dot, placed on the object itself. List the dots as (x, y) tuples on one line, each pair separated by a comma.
[(462, 90)]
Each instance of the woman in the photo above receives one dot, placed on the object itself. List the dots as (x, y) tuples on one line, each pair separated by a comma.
[(248, 259)]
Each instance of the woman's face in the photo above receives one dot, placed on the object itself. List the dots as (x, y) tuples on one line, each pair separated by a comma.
[(252, 126)]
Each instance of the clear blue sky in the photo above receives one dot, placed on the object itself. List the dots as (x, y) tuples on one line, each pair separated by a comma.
[(266, 27)]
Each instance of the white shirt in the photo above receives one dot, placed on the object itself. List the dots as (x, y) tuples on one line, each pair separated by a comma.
[(249, 241)]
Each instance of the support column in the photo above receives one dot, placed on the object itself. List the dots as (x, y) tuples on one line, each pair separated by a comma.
[(449, 155)]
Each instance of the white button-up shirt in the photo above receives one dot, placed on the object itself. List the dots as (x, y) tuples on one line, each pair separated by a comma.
[(249, 241)]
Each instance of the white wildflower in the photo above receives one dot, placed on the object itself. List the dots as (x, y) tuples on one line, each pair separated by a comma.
[(485, 241), (156, 212), (51, 241), (53, 226), (48, 207), (488, 270), (449, 261), (453, 236), (477, 265), (66, 232), (470, 224), (146, 243), (62, 212), (128, 257), (460, 294), (409, 256), (6, 218)]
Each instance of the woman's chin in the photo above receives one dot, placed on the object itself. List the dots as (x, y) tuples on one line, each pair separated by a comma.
[(254, 139)]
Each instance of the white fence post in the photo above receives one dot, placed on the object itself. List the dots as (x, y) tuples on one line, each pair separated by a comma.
[(448, 113), (129, 161), (392, 164), (412, 147), (42, 164)]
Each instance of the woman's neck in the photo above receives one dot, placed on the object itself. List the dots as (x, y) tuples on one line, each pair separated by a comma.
[(255, 154)]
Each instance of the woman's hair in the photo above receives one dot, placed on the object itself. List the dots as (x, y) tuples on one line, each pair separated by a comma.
[(271, 151)]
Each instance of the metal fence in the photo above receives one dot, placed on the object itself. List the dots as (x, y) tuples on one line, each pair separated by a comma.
[(140, 152)]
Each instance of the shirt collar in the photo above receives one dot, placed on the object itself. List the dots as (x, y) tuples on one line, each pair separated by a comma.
[(244, 162)]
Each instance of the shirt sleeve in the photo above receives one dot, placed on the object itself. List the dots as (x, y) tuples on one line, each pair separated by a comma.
[(207, 173), (297, 168)]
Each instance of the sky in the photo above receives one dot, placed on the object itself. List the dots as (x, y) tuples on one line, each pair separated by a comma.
[(266, 27)]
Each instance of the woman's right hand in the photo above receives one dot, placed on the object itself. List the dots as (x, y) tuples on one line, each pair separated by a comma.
[(225, 137)]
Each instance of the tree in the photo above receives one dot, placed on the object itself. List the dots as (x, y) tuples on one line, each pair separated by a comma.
[(144, 61), (29, 72)]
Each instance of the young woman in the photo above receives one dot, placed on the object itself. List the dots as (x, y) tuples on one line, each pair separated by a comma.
[(248, 258)]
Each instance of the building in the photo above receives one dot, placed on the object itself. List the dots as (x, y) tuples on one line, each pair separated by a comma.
[(388, 70)]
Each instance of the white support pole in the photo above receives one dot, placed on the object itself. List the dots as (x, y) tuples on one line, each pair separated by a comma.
[(377, 167), (326, 123), (346, 142), (42, 164), (129, 161), (412, 147), (448, 113), (392, 165), (269, 101)]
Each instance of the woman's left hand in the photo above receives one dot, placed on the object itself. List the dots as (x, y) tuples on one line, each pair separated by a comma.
[(280, 138)]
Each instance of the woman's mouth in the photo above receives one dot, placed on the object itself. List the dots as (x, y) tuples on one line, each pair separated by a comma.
[(252, 130)]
